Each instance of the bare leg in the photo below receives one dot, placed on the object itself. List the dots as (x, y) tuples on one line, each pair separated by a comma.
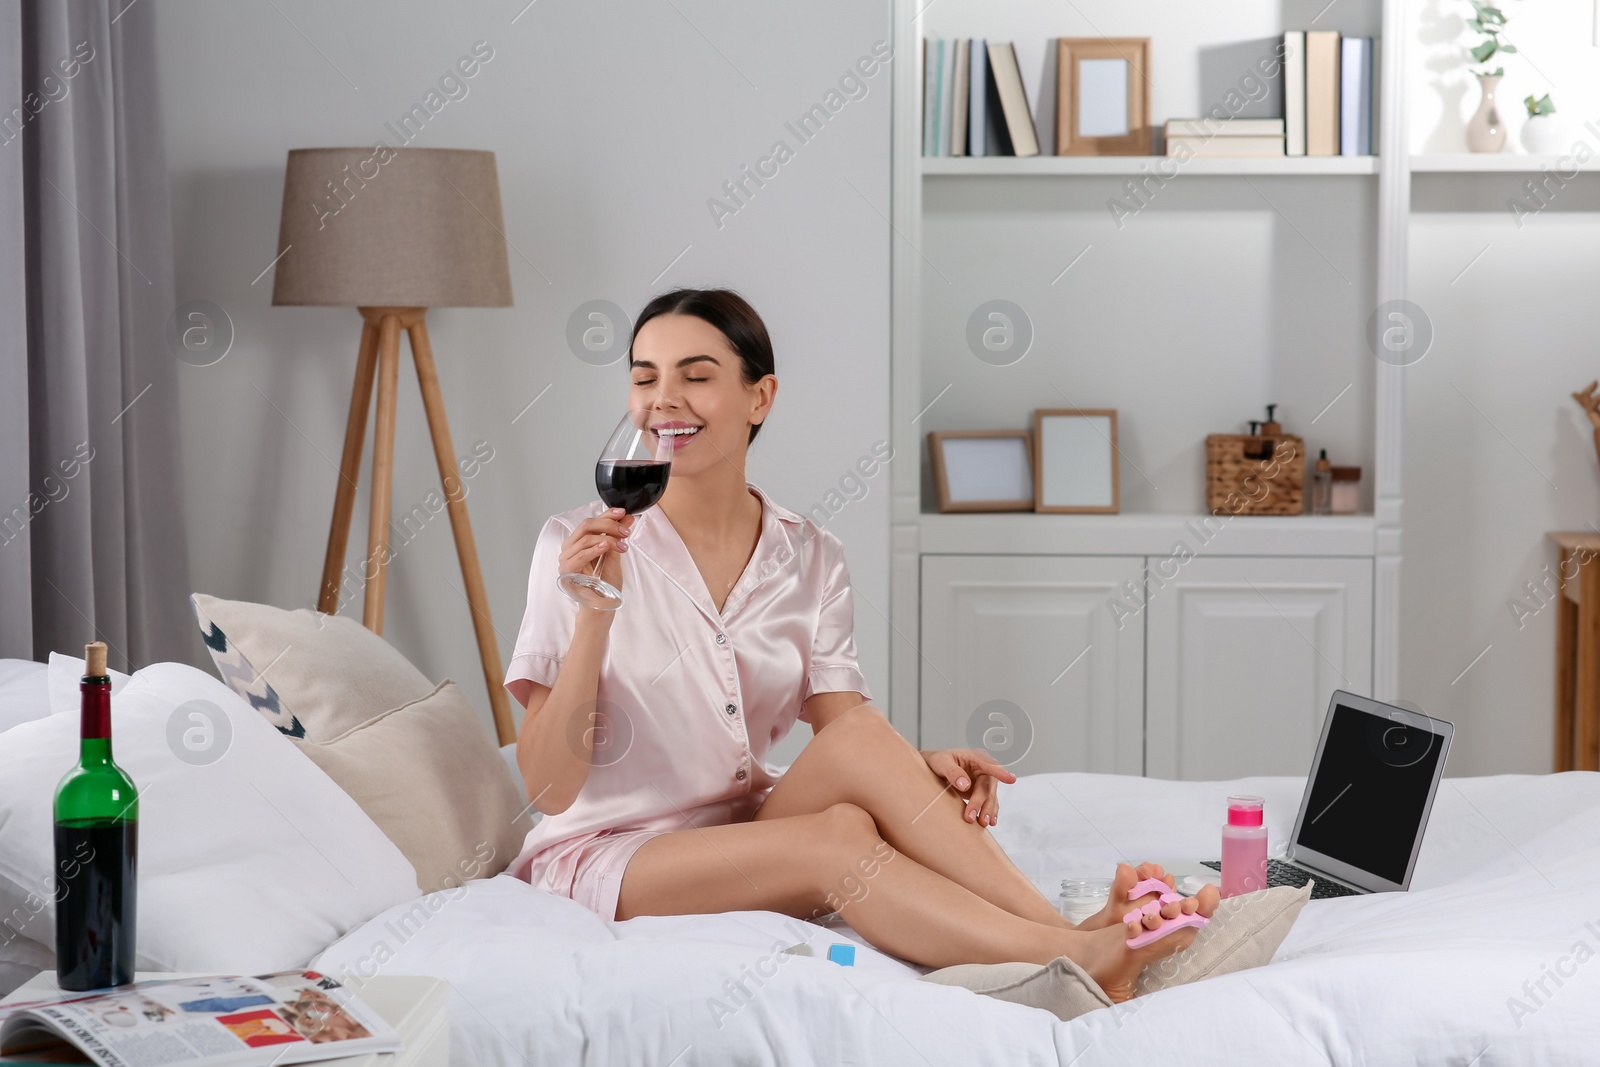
[(835, 858), (860, 759)]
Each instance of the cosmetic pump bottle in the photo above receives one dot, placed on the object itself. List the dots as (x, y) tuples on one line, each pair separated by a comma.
[(1244, 846)]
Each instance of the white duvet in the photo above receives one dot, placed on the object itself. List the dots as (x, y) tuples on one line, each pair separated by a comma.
[(1493, 957)]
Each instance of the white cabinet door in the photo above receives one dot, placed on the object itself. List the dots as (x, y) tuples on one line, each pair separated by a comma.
[(1022, 656), (1244, 654)]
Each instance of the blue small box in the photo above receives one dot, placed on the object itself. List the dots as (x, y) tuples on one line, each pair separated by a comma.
[(843, 955)]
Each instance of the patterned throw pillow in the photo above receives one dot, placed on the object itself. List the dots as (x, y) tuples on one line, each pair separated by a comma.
[(311, 675), (238, 675)]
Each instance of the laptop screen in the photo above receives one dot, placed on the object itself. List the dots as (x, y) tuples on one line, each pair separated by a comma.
[(1370, 792)]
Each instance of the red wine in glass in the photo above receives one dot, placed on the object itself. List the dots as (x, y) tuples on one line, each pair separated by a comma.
[(631, 484), (631, 474)]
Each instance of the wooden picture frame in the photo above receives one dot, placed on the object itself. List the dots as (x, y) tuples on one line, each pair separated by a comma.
[(1075, 461), (1087, 90), (964, 469)]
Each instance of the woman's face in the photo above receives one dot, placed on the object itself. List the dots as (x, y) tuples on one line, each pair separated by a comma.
[(690, 380)]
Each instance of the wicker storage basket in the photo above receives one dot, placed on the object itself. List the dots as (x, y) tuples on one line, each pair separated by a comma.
[(1262, 474)]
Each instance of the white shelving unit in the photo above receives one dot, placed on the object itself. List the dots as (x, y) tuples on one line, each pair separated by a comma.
[(1146, 534), (1069, 166), (1496, 163), (1329, 546)]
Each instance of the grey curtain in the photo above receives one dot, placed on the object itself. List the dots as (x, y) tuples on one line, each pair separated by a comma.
[(92, 540)]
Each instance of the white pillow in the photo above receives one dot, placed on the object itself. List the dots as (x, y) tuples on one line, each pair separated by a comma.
[(24, 694), (65, 672), (253, 862)]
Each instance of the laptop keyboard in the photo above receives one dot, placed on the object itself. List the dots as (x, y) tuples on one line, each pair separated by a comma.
[(1280, 872)]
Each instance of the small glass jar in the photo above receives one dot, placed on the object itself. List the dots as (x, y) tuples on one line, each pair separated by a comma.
[(1083, 897), (1321, 486), (1346, 490)]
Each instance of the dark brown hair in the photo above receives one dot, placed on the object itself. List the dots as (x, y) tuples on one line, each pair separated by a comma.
[(732, 316)]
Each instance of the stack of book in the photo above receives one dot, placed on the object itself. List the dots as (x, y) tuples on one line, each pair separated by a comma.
[(1224, 138), (1328, 106), (973, 100)]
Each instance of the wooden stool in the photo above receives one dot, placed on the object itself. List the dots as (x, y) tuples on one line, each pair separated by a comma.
[(1578, 652)]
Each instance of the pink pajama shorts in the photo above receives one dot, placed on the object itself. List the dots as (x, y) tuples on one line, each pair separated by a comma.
[(589, 868)]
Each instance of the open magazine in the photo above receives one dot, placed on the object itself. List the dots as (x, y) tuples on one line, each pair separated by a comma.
[(280, 1018)]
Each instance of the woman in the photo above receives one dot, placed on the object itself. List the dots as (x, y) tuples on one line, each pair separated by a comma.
[(647, 727)]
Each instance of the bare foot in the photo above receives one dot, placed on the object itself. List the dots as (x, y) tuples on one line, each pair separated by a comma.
[(1118, 904), (1116, 967)]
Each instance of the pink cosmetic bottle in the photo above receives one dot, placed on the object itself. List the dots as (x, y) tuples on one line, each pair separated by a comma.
[(1244, 847)]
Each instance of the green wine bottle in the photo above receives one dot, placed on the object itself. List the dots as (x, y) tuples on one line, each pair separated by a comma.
[(97, 844)]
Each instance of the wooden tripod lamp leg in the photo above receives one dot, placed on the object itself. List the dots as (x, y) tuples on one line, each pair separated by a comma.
[(461, 525), (382, 472), (344, 500), (1566, 665)]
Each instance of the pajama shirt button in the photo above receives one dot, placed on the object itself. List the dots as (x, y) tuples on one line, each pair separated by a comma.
[(732, 708), (740, 775), (722, 639)]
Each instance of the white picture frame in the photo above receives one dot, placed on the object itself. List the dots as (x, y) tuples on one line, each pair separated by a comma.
[(982, 470), (1075, 461)]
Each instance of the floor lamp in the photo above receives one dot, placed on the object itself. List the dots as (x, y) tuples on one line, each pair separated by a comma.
[(394, 233)]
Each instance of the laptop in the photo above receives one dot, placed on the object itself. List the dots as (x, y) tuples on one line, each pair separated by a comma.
[(1366, 804)]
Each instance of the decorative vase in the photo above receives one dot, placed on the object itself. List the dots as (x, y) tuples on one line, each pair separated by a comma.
[(1486, 132), (1544, 135)]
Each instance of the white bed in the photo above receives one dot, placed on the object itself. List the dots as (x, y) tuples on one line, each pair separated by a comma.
[(1506, 898), (1507, 879)]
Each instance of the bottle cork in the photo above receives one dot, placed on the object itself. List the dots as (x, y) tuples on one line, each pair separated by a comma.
[(94, 658)]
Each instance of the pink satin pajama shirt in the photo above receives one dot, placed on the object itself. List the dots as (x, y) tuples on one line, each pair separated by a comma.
[(690, 699)]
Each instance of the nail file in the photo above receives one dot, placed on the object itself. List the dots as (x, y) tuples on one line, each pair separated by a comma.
[(1167, 896)]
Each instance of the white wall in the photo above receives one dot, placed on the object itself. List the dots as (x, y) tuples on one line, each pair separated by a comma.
[(613, 125), (1497, 452)]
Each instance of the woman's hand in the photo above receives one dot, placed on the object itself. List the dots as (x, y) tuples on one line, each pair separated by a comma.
[(604, 537), (975, 776)]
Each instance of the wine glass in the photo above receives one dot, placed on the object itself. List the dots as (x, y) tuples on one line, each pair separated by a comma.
[(631, 474)]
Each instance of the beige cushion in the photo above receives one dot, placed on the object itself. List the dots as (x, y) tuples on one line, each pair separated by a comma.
[(1245, 931), (309, 674), (432, 779), (1060, 986)]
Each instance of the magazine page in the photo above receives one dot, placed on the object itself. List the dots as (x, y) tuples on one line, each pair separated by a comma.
[(281, 1018)]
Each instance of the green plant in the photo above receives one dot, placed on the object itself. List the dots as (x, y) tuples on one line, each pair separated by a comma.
[(1489, 21), (1541, 106)]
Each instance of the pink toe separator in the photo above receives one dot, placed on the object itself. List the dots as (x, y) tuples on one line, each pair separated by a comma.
[(1167, 896)]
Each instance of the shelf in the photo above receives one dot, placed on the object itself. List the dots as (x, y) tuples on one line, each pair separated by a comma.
[(1495, 163), (1091, 166), (1145, 534)]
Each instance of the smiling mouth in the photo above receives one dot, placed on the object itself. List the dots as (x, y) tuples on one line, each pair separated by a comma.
[(678, 435)]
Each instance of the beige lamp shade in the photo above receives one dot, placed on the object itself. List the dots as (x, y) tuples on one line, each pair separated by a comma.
[(384, 227)]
